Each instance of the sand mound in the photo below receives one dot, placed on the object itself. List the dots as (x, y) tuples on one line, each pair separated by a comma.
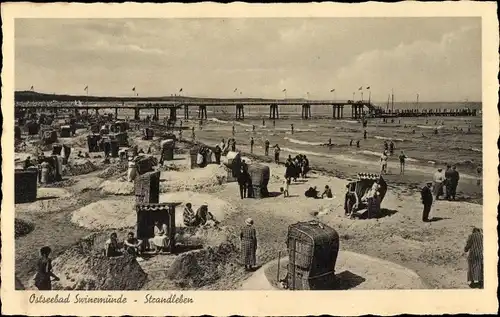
[(49, 199), (193, 179), (78, 167), (114, 170), (218, 207), (107, 214), (352, 270), (204, 237), (117, 187), (22, 227), (86, 184), (203, 267), (84, 267)]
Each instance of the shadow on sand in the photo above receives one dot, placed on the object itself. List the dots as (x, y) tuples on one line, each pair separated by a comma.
[(274, 194), (433, 219), (347, 280), (46, 198)]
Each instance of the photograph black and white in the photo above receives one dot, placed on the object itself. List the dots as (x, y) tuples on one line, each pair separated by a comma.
[(165, 155), (239, 153)]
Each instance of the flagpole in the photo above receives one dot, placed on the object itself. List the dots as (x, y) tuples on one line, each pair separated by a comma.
[(353, 95), (87, 101)]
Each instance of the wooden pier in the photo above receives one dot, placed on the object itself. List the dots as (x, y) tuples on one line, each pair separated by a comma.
[(359, 109)]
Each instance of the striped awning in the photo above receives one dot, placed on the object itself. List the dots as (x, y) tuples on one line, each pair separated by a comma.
[(157, 207), (372, 176)]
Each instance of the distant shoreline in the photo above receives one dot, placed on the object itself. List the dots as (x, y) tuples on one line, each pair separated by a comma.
[(33, 96)]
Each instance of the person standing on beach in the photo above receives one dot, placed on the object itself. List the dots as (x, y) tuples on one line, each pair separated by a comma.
[(455, 177), (357, 144), (44, 271), (438, 183), (474, 246), (266, 148), (386, 146), (402, 158), (291, 126), (274, 123), (243, 181), (263, 122), (391, 147), (253, 127), (350, 142), (426, 201), (383, 162), (233, 145), (447, 182), (248, 237), (193, 135), (251, 144), (364, 135), (234, 130), (277, 151)]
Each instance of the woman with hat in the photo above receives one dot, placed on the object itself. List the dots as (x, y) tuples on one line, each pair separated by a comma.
[(248, 238)]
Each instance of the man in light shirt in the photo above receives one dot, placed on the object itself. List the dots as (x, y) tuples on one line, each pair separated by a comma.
[(438, 183)]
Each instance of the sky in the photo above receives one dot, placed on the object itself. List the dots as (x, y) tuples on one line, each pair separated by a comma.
[(438, 58)]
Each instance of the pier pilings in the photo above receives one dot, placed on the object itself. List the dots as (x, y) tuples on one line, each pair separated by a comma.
[(274, 112), (202, 112), (240, 112), (306, 111)]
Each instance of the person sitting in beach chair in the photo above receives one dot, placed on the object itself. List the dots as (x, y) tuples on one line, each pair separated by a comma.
[(160, 241), (351, 199), (112, 247), (132, 245)]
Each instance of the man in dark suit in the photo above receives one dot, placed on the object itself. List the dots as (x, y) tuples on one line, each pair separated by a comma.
[(426, 201)]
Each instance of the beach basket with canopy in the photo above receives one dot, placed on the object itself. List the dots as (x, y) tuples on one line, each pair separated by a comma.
[(17, 132), (49, 136), (312, 250), (147, 188), (145, 163), (259, 176), (147, 214), (93, 142), (233, 163), (362, 188), (148, 134), (32, 127), (65, 131), (25, 185)]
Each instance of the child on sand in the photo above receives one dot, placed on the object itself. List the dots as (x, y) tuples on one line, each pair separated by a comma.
[(286, 186)]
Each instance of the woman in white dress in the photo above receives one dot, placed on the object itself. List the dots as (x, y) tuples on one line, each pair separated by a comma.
[(160, 239)]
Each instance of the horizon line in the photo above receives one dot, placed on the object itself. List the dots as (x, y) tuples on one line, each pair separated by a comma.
[(234, 98)]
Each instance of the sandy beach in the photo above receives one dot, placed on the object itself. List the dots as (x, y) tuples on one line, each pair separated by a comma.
[(96, 199)]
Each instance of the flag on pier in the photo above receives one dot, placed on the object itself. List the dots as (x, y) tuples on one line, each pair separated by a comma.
[(86, 88), (284, 90), (32, 88), (332, 90), (360, 88), (367, 87), (180, 90), (133, 89)]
